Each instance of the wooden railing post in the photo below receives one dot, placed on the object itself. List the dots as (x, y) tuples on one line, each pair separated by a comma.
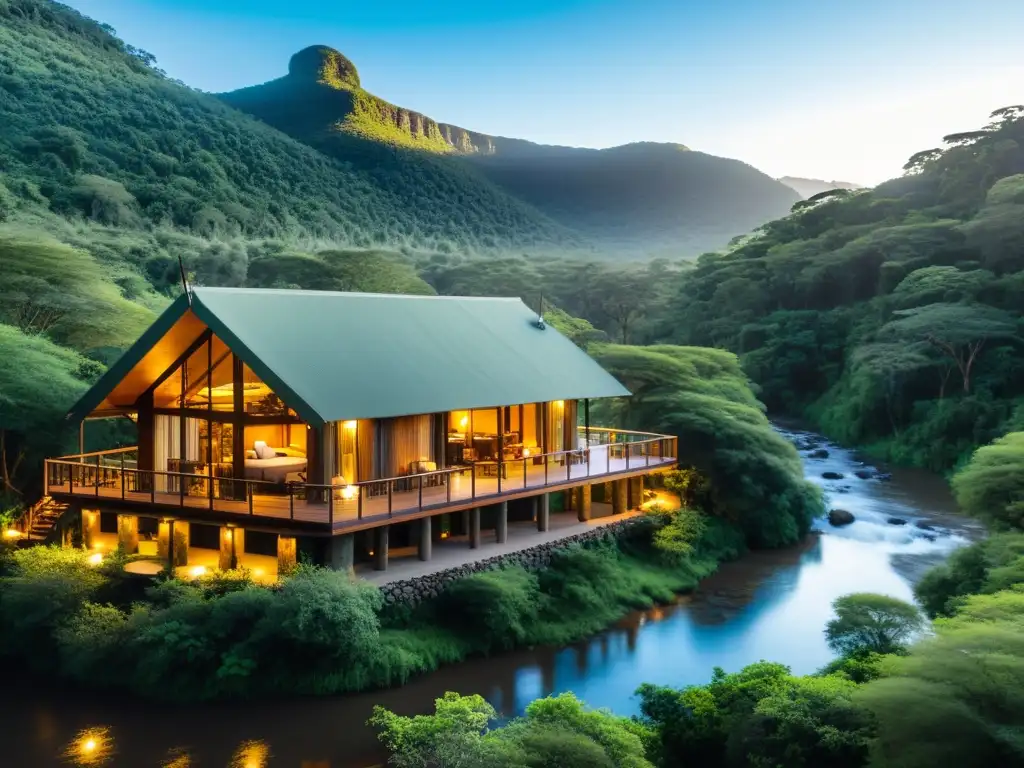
[(421, 493), (249, 494), (291, 501), (330, 502), (96, 481), (359, 504), (389, 498)]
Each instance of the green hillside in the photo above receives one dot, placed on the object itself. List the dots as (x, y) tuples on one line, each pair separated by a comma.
[(90, 129), (892, 317), (632, 200)]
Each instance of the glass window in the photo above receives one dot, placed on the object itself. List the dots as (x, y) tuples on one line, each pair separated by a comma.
[(258, 398)]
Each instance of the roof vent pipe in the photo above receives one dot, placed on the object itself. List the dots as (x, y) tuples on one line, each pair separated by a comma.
[(539, 322)]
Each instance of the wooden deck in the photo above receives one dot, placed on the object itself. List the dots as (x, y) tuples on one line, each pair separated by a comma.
[(461, 491)]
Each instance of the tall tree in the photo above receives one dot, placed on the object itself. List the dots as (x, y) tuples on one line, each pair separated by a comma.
[(957, 331)]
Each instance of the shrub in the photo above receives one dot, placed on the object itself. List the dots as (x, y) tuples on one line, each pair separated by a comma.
[(497, 607)]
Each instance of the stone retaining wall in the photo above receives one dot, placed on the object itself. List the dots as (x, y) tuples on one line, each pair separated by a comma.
[(412, 591)]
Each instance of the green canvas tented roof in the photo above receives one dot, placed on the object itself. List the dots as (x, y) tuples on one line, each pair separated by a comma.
[(334, 356)]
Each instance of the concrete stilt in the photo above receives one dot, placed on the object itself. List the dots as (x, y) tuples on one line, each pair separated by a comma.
[(583, 503), (636, 492), (128, 533), (343, 552), (380, 548), (90, 527), (619, 492), (543, 512), (426, 539), (287, 555), (474, 528), (501, 527)]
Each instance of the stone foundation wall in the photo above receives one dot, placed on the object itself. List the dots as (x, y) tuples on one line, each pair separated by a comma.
[(412, 591)]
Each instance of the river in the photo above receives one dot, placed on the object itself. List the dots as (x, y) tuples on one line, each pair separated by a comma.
[(770, 605)]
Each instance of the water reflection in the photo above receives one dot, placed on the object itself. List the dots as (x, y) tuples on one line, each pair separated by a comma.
[(177, 758), (251, 754), (91, 748)]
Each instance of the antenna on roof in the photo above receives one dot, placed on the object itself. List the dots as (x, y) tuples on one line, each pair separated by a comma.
[(539, 322), (184, 280)]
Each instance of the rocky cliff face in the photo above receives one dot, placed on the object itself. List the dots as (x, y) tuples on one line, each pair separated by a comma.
[(321, 78)]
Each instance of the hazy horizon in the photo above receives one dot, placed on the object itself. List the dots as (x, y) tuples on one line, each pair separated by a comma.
[(794, 89)]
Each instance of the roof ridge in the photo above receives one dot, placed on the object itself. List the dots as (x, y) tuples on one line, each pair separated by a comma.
[(364, 294)]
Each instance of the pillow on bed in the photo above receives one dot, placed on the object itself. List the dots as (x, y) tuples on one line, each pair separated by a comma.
[(251, 455), (264, 451)]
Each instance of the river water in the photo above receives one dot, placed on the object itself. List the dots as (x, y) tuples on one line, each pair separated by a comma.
[(771, 605)]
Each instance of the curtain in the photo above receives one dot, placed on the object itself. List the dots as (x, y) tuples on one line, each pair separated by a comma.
[(366, 450), (166, 445), (404, 440)]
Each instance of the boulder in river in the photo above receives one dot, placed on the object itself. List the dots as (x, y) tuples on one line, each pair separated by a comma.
[(832, 475), (924, 526), (838, 517), (819, 453), (883, 476), (896, 521), (864, 474)]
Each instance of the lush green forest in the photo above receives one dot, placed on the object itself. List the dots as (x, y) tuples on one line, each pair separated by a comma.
[(891, 317), (894, 698)]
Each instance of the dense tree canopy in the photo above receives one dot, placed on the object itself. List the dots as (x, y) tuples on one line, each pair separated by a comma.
[(991, 485), (872, 623), (891, 316), (703, 396)]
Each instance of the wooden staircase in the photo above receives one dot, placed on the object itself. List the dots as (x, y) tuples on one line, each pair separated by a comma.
[(38, 521)]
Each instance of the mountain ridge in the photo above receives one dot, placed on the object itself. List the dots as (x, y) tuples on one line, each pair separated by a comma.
[(643, 198), (806, 187)]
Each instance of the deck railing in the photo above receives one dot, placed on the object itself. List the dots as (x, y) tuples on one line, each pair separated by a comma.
[(114, 475)]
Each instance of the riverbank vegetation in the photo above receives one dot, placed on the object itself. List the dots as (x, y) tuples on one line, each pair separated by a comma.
[(320, 631), (896, 697)]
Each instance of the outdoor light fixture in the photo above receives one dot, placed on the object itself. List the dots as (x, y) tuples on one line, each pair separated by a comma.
[(198, 571), (350, 425), (10, 533), (95, 559), (526, 452), (349, 492)]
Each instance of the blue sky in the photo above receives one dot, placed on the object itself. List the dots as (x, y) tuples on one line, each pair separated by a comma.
[(821, 88)]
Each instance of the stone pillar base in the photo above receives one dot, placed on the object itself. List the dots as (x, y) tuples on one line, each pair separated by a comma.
[(501, 527), (474, 528), (426, 538), (543, 503), (380, 548)]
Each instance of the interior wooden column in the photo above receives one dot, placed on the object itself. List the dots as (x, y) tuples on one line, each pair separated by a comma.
[(144, 429), (238, 424)]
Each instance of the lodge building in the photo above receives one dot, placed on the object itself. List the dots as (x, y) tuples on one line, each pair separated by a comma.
[(279, 425)]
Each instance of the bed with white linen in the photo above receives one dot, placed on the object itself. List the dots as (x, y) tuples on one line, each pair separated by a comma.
[(264, 463)]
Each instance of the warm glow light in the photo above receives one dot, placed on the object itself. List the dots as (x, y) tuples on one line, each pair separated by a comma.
[(258, 572), (526, 452), (251, 754), (464, 421), (95, 559), (10, 533), (92, 747), (198, 571), (349, 492), (349, 425), (444, 534), (227, 534)]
